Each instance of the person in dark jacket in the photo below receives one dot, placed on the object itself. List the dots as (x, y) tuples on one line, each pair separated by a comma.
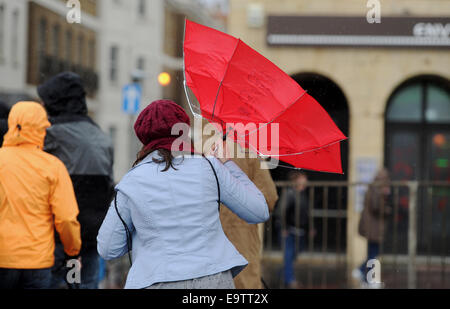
[(4, 112), (296, 219), (87, 153)]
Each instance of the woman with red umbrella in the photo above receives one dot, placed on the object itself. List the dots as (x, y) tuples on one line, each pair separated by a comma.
[(166, 210)]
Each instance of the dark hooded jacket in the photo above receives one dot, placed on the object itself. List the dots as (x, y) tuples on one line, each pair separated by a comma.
[(86, 151)]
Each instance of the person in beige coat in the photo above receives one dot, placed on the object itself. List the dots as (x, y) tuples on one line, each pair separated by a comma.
[(372, 225), (246, 237)]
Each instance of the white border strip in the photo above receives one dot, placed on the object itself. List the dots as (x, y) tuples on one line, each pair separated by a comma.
[(346, 40)]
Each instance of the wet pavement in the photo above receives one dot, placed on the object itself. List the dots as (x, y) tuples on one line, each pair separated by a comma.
[(335, 275)]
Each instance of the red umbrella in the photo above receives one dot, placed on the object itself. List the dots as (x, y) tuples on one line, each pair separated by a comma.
[(235, 84)]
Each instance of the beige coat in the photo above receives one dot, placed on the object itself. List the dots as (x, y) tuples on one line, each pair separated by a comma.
[(376, 210), (244, 236)]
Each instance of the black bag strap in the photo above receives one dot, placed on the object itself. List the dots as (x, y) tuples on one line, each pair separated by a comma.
[(217, 181), (127, 231)]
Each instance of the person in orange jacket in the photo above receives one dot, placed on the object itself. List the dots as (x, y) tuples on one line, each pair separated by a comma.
[(36, 195)]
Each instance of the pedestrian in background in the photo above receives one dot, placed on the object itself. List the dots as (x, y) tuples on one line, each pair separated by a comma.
[(166, 210), (372, 224), (4, 112), (296, 225), (36, 196), (87, 153)]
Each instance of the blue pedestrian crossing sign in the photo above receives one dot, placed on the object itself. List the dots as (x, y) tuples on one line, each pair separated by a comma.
[(131, 95)]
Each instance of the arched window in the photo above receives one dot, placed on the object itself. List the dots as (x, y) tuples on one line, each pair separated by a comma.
[(418, 130), (418, 148)]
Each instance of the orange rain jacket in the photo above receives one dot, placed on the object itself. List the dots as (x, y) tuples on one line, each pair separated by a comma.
[(36, 195)]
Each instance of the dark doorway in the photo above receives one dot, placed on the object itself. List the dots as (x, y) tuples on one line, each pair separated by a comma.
[(333, 100)]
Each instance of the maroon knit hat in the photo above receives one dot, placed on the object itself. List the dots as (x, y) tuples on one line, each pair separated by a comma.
[(154, 125)]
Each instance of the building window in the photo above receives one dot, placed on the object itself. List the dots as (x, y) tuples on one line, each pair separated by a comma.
[(68, 45), (15, 39), (418, 148), (114, 64), (406, 106), (43, 65), (42, 37), (2, 33), (141, 64), (438, 105), (92, 55), (142, 8), (80, 45), (56, 32), (416, 112)]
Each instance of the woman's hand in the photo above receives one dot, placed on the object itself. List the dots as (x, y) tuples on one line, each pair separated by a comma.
[(220, 150)]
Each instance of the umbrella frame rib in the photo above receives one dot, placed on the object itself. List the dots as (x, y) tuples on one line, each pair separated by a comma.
[(223, 77)]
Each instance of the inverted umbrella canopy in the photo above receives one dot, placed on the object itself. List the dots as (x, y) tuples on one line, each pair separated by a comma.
[(234, 84)]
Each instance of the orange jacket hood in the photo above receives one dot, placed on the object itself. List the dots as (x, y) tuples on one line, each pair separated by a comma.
[(27, 124)]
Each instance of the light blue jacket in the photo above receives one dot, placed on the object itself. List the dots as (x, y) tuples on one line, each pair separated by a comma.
[(174, 220)]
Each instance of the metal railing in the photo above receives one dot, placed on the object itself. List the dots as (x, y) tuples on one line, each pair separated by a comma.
[(416, 242)]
